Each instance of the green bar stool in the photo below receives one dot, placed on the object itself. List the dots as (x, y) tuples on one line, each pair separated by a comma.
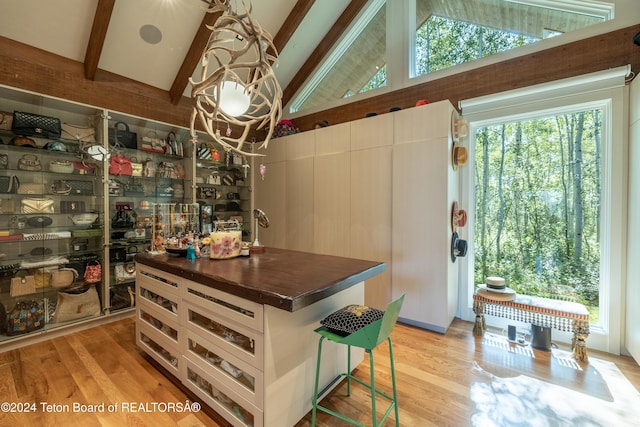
[(368, 337)]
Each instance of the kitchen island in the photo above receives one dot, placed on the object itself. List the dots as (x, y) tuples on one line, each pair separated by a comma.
[(239, 332)]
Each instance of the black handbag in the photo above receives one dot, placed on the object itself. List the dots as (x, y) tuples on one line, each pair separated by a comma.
[(118, 254), (122, 137), (9, 184), (81, 188), (134, 189), (123, 219), (30, 124), (67, 206)]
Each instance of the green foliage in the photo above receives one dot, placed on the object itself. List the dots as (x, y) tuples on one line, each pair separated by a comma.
[(538, 205), (442, 43)]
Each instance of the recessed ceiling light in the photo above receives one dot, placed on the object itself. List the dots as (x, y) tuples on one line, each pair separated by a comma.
[(151, 34)]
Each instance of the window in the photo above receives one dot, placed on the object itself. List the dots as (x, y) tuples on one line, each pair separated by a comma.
[(452, 33), (551, 175), (537, 184), (356, 65)]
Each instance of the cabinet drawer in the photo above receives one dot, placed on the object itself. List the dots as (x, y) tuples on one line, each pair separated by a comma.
[(157, 345), (233, 338), (158, 295), (163, 321), (240, 376), (148, 274), (236, 309), (221, 398)]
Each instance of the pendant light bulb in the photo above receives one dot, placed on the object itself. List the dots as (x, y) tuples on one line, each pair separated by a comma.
[(234, 99)]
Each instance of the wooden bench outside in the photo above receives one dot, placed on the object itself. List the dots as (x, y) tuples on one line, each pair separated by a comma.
[(562, 315)]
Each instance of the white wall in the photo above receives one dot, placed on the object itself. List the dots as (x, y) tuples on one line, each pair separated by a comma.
[(632, 336)]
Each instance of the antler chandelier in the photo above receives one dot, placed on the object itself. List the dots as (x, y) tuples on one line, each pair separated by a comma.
[(237, 85)]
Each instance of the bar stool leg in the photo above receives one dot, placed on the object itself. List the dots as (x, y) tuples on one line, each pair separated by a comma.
[(373, 389), (315, 390), (348, 370), (393, 382)]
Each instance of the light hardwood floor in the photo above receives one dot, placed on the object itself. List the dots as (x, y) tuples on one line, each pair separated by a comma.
[(438, 379)]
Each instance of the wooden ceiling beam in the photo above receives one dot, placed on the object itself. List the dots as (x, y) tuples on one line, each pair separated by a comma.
[(98, 33), (292, 23), (192, 57), (323, 48)]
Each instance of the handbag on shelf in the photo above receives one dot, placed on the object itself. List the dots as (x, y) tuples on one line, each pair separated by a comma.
[(123, 219), (64, 166), (149, 170), (121, 136), (67, 206), (134, 189), (29, 162), (79, 133), (61, 187), (23, 284), (23, 141), (77, 303), (167, 170), (125, 272), (9, 184), (63, 277), (120, 165), (42, 278), (81, 187), (93, 272), (31, 188), (118, 254), (85, 168), (39, 221), (151, 142), (30, 124), (136, 167), (121, 297), (173, 147), (37, 206), (26, 316), (115, 188), (4, 161), (5, 120), (78, 245)]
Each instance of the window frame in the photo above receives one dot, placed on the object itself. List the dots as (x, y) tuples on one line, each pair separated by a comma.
[(578, 93)]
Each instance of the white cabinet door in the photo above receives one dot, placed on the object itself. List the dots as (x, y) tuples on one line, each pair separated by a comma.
[(423, 191), (370, 222)]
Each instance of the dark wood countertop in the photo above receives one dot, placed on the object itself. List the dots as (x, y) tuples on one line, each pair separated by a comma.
[(289, 280)]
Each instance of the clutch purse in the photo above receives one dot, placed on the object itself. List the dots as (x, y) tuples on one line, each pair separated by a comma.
[(36, 125), (24, 285), (36, 206), (31, 188), (79, 133)]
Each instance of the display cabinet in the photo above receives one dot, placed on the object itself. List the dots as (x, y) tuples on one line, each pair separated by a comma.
[(77, 192), (223, 186), (51, 215), (150, 164)]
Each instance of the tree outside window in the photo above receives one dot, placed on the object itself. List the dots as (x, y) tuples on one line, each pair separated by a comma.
[(538, 194)]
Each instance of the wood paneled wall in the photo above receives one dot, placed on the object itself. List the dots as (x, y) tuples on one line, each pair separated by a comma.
[(25, 67)]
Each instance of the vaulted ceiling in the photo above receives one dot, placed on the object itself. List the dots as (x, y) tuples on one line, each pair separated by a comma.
[(160, 42)]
